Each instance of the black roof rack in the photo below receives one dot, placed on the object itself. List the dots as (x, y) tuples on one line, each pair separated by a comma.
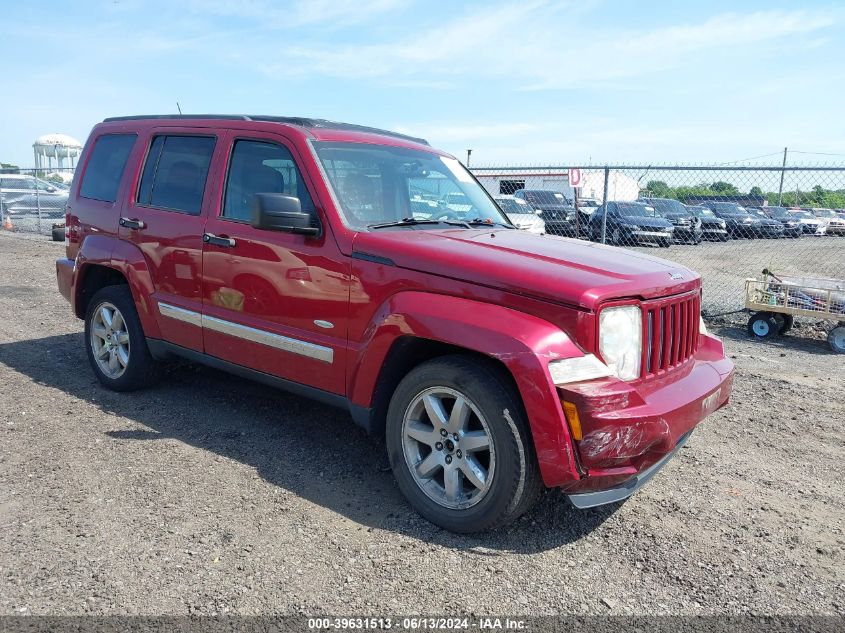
[(289, 120)]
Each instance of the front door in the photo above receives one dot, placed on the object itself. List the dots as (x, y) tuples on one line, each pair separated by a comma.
[(274, 302), (165, 219)]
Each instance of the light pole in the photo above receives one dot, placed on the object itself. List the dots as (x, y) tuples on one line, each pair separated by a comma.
[(469, 153)]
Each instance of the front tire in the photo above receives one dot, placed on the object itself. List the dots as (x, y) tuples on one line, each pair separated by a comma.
[(117, 349), (459, 445), (763, 325)]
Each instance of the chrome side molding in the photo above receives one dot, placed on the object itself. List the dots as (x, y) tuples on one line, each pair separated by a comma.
[(262, 337)]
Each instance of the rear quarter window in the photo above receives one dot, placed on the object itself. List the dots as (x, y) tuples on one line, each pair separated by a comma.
[(105, 167)]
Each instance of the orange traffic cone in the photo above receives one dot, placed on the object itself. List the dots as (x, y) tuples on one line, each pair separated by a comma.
[(7, 224)]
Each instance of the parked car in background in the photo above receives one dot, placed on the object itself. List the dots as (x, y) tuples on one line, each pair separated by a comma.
[(521, 214), (493, 362), (791, 225), (810, 224), (630, 224), (741, 223), (22, 194), (832, 221), (554, 209), (457, 202), (712, 227), (587, 205), (687, 226)]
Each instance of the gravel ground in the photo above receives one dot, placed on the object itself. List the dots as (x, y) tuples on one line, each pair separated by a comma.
[(208, 494)]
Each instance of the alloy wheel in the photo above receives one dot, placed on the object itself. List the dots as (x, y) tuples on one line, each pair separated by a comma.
[(110, 340), (448, 448)]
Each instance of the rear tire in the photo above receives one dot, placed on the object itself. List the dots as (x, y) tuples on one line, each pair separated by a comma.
[(785, 322), (486, 486), (118, 353), (762, 326), (836, 339)]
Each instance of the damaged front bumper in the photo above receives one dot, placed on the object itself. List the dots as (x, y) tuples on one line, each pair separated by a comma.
[(585, 500), (630, 430)]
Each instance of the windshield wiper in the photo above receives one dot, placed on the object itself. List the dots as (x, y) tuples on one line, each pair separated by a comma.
[(415, 222), (477, 221)]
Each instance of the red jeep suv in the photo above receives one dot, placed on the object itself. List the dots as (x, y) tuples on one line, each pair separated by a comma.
[(324, 258)]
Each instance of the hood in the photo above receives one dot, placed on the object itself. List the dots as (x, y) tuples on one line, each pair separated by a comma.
[(651, 222), (556, 269), (709, 220)]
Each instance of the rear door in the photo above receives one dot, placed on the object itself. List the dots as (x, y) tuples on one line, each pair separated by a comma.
[(165, 218)]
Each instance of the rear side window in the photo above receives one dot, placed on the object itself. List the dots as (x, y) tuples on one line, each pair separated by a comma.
[(105, 167), (261, 167), (175, 173)]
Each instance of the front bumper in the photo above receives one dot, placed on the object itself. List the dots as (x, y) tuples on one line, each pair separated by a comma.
[(686, 232), (584, 500), (630, 427), (651, 236)]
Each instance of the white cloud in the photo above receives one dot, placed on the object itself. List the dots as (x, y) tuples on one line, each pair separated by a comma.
[(532, 45), (298, 12)]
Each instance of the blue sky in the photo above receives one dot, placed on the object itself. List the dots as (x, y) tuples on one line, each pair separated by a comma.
[(525, 82)]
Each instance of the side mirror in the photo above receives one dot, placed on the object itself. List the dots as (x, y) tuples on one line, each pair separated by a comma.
[(278, 212), (51, 190)]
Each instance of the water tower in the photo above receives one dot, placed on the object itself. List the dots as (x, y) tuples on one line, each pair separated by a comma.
[(61, 147)]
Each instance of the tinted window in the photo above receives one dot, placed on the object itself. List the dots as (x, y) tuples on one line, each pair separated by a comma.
[(105, 167), (260, 167), (11, 183), (175, 173)]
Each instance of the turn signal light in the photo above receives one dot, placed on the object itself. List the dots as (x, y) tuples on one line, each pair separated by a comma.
[(571, 413)]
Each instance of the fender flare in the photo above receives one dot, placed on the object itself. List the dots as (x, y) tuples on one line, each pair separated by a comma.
[(523, 343), (128, 260)]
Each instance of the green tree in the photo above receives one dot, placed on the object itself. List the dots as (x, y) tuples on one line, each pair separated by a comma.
[(756, 191), (724, 188), (659, 189)]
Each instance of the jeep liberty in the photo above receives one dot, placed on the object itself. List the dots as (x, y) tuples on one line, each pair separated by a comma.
[(495, 362)]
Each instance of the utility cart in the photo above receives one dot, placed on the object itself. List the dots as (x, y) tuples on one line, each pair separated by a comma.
[(776, 300)]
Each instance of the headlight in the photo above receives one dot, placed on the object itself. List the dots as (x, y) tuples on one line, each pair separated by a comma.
[(586, 367), (621, 340)]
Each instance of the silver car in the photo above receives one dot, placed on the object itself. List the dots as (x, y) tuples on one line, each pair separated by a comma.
[(521, 214), (21, 194)]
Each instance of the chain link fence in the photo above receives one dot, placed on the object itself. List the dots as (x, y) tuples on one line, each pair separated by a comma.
[(726, 222), (33, 200)]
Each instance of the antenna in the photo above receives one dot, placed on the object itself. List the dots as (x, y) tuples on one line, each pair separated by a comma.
[(178, 107)]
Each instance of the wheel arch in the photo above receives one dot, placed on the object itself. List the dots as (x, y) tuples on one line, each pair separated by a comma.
[(412, 327)]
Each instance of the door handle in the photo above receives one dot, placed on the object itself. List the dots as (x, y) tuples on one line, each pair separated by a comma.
[(132, 224), (210, 238)]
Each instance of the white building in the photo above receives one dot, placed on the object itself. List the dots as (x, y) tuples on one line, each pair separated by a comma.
[(620, 186)]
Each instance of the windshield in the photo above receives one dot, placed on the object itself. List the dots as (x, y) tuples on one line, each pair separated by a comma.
[(513, 206), (803, 214), (544, 197), (727, 208), (632, 209), (701, 212), (779, 212), (666, 206), (824, 213), (376, 184)]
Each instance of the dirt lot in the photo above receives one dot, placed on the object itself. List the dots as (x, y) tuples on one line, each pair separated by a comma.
[(208, 494)]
